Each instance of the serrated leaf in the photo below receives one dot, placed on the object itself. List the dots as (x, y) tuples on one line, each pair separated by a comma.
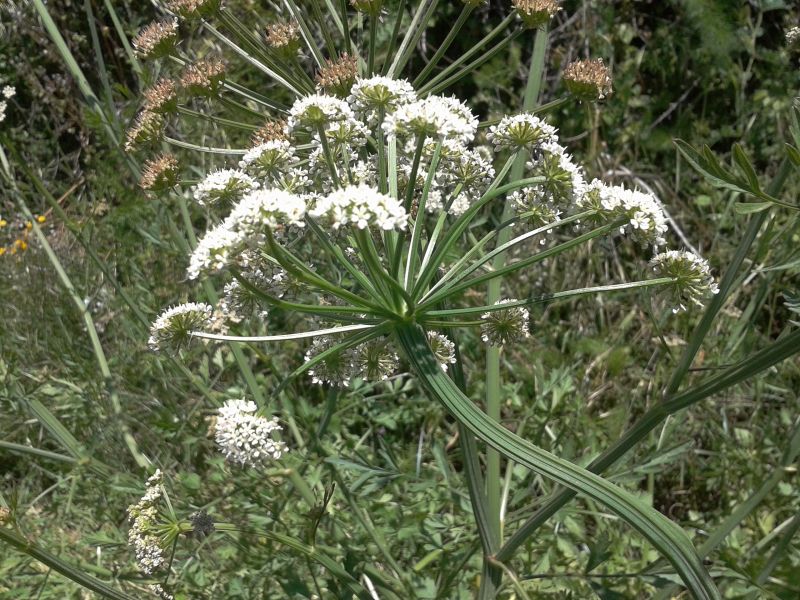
[(748, 208)]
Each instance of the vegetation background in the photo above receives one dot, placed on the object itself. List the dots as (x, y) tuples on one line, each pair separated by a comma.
[(706, 71)]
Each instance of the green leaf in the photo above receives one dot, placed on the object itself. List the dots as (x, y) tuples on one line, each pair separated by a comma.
[(667, 537), (745, 167), (748, 208), (794, 154)]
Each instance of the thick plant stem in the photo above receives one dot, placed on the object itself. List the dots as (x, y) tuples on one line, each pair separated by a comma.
[(493, 382)]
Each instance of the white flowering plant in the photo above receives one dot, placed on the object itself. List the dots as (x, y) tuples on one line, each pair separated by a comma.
[(374, 210)]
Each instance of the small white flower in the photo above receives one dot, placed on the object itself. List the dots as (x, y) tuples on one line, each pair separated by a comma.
[(505, 326), (793, 36), (215, 250), (369, 96), (317, 110), (443, 349), (521, 131), (434, 117), (693, 280), (225, 185), (336, 369), (174, 326), (142, 535), (362, 206), (9, 91), (244, 437), (269, 159)]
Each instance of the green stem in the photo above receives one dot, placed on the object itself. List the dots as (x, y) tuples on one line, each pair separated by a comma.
[(451, 35), (401, 11), (373, 30)]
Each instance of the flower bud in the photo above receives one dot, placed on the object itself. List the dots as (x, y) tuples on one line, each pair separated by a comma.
[(203, 78), (159, 174), (190, 9), (270, 131), (588, 79), (161, 97), (337, 77), (284, 38), (157, 39), (147, 129), (535, 13)]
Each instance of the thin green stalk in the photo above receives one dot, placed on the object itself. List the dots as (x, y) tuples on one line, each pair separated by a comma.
[(398, 21), (413, 34), (493, 378), (323, 27), (15, 540), (123, 38), (373, 31), (305, 31), (451, 35), (326, 151), (419, 221), (345, 25), (410, 186), (214, 119)]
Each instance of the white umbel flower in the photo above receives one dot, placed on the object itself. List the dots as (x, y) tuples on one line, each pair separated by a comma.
[(269, 159), (362, 206), (225, 185), (173, 327), (521, 131), (644, 218), (142, 535), (434, 117), (9, 91), (317, 110), (371, 95), (693, 280), (443, 349), (244, 437), (505, 326)]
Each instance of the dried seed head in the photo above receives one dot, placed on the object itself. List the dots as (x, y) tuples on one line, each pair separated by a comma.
[(148, 128), (161, 97), (337, 77), (270, 131), (203, 77), (157, 39), (202, 524), (588, 79), (160, 173), (194, 8), (535, 13), (284, 37), (371, 7)]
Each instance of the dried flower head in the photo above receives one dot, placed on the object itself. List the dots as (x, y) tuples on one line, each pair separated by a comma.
[(203, 78), (160, 173), (284, 37), (505, 325), (588, 79), (337, 77), (244, 437), (370, 7), (143, 535), (194, 8), (202, 524), (173, 328), (270, 131), (693, 281), (157, 39), (148, 128), (443, 349), (535, 13), (161, 97)]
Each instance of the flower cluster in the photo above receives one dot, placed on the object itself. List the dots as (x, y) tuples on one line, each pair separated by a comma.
[(173, 328), (9, 91), (443, 349), (693, 282), (143, 533), (244, 437), (372, 361), (505, 324)]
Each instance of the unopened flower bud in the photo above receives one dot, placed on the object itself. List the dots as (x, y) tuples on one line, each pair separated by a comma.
[(204, 77), (159, 174), (337, 77), (284, 38), (270, 131), (148, 128), (535, 13), (157, 39), (161, 97), (588, 79)]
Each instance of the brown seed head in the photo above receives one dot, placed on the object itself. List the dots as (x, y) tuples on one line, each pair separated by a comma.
[(535, 13), (157, 39), (588, 79), (160, 173), (337, 77), (271, 130), (194, 8), (203, 77), (148, 127), (284, 36), (161, 97)]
